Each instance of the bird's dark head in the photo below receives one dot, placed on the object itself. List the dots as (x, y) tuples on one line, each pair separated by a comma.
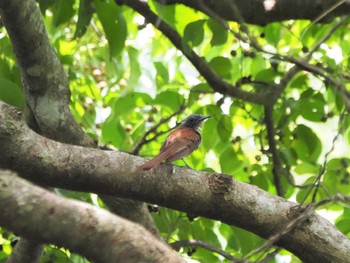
[(194, 121)]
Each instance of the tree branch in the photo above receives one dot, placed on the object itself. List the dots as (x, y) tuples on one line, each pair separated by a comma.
[(93, 232), (45, 82), (277, 170), (47, 91), (25, 251), (215, 196), (264, 12), (198, 243), (144, 139), (200, 64)]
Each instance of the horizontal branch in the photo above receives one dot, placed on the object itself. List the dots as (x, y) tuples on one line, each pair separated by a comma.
[(264, 12), (40, 215), (215, 196)]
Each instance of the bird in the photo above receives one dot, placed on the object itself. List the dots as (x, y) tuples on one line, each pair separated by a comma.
[(180, 143)]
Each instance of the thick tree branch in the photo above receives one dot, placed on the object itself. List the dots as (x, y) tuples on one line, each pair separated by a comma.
[(25, 251), (264, 12), (201, 65), (47, 91), (93, 232), (215, 196), (45, 82)]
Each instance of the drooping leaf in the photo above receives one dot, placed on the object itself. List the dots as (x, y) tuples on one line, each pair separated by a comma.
[(224, 128), (194, 33), (11, 93), (85, 13), (114, 25), (306, 143), (170, 99), (222, 66), (220, 34), (62, 11)]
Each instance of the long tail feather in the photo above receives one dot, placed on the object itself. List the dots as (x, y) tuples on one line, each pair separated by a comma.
[(155, 161)]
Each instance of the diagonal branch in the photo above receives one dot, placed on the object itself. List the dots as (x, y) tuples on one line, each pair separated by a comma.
[(200, 64), (47, 91), (144, 139), (45, 217)]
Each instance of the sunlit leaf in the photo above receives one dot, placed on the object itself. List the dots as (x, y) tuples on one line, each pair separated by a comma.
[(222, 66), (62, 11), (11, 93), (220, 34), (114, 25), (194, 33), (85, 13)]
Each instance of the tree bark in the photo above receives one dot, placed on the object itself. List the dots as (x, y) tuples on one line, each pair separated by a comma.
[(267, 11), (40, 215), (47, 91), (215, 196)]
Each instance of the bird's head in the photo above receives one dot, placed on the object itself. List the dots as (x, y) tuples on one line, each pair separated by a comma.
[(194, 121)]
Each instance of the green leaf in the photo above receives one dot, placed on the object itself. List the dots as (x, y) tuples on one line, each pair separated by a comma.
[(344, 225), (45, 4), (231, 161), (62, 11), (219, 32), (114, 133), (132, 100), (194, 33), (258, 64), (312, 107), (166, 12), (306, 168), (114, 25), (170, 99), (11, 93), (208, 140), (85, 13), (273, 33), (135, 69), (222, 66), (224, 128), (162, 76), (260, 180), (306, 144)]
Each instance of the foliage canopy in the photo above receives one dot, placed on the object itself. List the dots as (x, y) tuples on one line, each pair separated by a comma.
[(127, 77)]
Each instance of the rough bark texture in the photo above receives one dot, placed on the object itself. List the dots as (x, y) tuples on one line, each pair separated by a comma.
[(215, 196), (47, 91), (25, 251), (45, 82), (40, 215), (267, 11)]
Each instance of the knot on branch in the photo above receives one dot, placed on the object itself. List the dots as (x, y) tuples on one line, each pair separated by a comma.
[(219, 184)]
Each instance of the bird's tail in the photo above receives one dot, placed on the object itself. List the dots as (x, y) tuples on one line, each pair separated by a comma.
[(155, 161)]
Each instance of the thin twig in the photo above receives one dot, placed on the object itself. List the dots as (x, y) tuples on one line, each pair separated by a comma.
[(215, 81), (317, 180), (277, 169), (300, 216), (197, 243), (144, 139), (326, 37)]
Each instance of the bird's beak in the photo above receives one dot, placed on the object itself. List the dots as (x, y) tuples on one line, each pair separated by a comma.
[(205, 117)]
